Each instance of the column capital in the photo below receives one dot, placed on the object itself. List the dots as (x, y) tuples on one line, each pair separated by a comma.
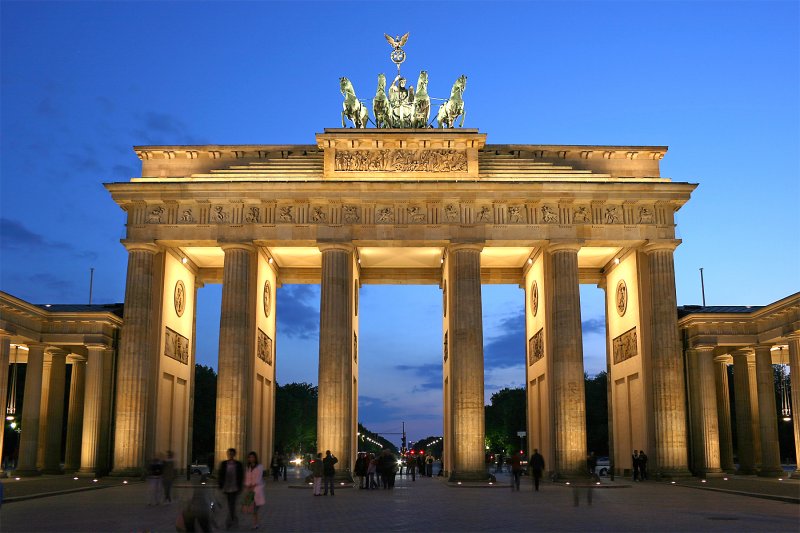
[(665, 245), (742, 351), (247, 246), (564, 246), (55, 351), (95, 345), (141, 247), (35, 344), (342, 246), (458, 246), (705, 348)]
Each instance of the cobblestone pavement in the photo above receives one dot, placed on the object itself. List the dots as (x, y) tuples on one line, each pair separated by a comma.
[(428, 504)]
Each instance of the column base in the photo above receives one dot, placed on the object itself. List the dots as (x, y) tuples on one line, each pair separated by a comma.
[(87, 474), (745, 471), (27, 473), (771, 472), (52, 471), (480, 475), (715, 473)]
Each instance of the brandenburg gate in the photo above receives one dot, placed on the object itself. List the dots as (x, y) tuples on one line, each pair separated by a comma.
[(401, 206)]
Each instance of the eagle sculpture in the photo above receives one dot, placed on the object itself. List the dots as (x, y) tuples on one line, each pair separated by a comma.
[(398, 41)]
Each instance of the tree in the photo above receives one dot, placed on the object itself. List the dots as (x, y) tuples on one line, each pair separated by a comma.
[(205, 414), (597, 413), (505, 417), (296, 417)]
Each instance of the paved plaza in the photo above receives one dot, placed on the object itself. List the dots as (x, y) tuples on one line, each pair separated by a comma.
[(430, 504)]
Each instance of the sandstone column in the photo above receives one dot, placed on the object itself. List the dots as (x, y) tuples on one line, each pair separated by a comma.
[(5, 352), (724, 414), (43, 403), (754, 412), (668, 388), (794, 369), (744, 426), (29, 438), (92, 410), (236, 347), (466, 362), (55, 413), (134, 363), (72, 457), (335, 403), (707, 404), (767, 415), (569, 399)]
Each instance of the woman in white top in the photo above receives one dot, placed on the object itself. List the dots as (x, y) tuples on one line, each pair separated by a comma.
[(254, 481)]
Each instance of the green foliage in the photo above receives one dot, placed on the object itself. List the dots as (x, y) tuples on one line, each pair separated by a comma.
[(424, 445), (597, 414), (505, 416), (205, 413), (365, 445), (296, 418)]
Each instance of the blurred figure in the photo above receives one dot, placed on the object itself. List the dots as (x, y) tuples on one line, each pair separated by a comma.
[(429, 465), (316, 472), (591, 465), (360, 468), (372, 468), (168, 476), (642, 465), (154, 486), (231, 478), (329, 471), (635, 465), (254, 483), (536, 467), (275, 466), (197, 511), (516, 470)]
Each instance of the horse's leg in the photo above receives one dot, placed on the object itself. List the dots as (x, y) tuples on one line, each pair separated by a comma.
[(463, 116), (343, 124)]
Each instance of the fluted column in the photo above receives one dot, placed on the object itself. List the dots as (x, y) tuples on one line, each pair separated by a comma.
[(666, 362), (744, 426), (31, 403), (755, 417), (236, 348), (92, 410), (334, 424), (134, 363), (707, 411), (569, 398), (72, 457), (466, 362), (5, 353), (794, 369), (55, 413), (724, 415), (767, 414), (43, 403)]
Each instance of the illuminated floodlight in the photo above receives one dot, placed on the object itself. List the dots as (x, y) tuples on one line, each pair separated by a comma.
[(725, 479), (16, 478), (184, 260), (125, 482), (673, 482), (75, 478), (702, 481), (94, 481)]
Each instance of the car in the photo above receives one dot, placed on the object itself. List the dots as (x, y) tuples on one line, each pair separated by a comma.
[(201, 470), (603, 466)]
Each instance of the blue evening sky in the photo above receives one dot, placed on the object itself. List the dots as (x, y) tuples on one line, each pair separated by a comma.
[(82, 82)]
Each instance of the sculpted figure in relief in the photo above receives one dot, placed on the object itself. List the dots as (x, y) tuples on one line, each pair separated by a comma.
[(645, 216), (451, 213), (286, 214), (515, 214), (187, 216), (548, 215), (581, 215), (154, 216), (483, 214), (253, 215), (350, 213), (385, 215), (612, 215), (416, 214), (318, 215), (220, 215)]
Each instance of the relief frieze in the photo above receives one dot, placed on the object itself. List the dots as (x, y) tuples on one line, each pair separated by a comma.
[(625, 346), (384, 215), (536, 347), (176, 346), (264, 347), (400, 161), (187, 216), (219, 215), (416, 214)]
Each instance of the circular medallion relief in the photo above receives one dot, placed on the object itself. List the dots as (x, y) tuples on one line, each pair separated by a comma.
[(267, 298), (622, 297), (179, 298), (534, 298)]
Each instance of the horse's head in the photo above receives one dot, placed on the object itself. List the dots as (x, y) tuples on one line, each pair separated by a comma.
[(462, 80), (345, 86), (422, 82)]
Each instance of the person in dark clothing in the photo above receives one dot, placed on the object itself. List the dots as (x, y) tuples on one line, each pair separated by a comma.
[(386, 467), (360, 469), (635, 464), (642, 465), (536, 468), (591, 465), (516, 469), (328, 471), (275, 466), (231, 479)]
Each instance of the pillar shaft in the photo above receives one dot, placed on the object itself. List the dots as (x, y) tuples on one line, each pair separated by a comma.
[(236, 347), (5, 353), (668, 388), (92, 410), (724, 416), (55, 413), (466, 362), (31, 403), (568, 394), (335, 403), (744, 426), (43, 403), (134, 364), (767, 414), (794, 371), (707, 404), (72, 457), (754, 411)]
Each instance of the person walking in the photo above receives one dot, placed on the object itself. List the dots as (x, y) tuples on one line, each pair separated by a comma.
[(372, 468), (168, 476), (591, 465), (536, 468), (635, 465), (231, 478), (329, 471), (360, 468), (154, 478), (516, 470), (429, 465), (316, 473), (254, 485), (411, 467), (642, 465), (274, 466)]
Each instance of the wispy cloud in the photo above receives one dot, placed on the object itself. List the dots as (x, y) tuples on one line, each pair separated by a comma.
[(298, 311), (594, 325), (424, 377), (507, 348), (162, 128), (15, 237)]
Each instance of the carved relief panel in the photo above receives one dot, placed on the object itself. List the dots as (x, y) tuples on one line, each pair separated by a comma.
[(536, 347), (176, 346), (625, 346), (264, 347)]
